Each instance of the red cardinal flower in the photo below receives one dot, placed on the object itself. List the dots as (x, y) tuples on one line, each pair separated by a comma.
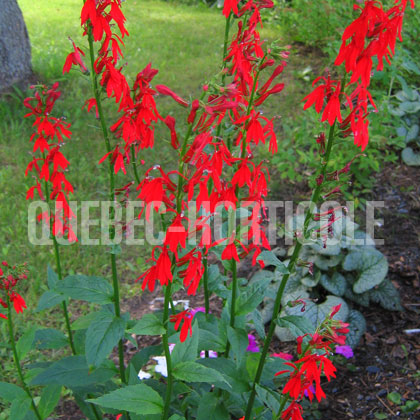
[(75, 58), (186, 317), (230, 6), (164, 90)]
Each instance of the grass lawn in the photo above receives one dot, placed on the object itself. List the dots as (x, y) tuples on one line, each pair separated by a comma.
[(184, 43)]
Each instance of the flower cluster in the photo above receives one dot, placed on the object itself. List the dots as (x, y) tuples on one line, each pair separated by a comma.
[(313, 362), (372, 35), (216, 170), (9, 277), (48, 162)]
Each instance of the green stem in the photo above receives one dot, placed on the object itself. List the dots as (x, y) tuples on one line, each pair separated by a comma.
[(165, 340), (60, 276), (115, 283), (277, 305), (206, 294), (282, 404), (133, 161), (232, 302), (16, 357)]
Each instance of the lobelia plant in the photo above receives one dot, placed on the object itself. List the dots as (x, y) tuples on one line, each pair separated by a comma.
[(210, 205)]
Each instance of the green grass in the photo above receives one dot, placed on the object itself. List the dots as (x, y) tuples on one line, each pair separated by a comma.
[(184, 43)]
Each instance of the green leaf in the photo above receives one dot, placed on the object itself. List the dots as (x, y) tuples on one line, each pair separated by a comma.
[(25, 343), (210, 341), (49, 338), (10, 392), (374, 270), (250, 297), (410, 158), (144, 355), (269, 397), (236, 378), (20, 408), (394, 397), (102, 336), (258, 323), (52, 278), (149, 324), (410, 406), (298, 325), (238, 339), (316, 313), (269, 258), (138, 399), (357, 328), (187, 350), (176, 417), (372, 264), (410, 107), (336, 284), (72, 371), (387, 296), (211, 407), (83, 322), (89, 288), (380, 416), (49, 299), (49, 399), (412, 133), (194, 372)]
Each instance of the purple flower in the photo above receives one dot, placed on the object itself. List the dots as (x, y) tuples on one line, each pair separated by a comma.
[(252, 344), (345, 351), (311, 390), (198, 309)]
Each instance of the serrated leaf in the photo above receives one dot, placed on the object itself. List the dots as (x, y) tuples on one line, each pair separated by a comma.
[(387, 296), (187, 350), (257, 323), (250, 297), (25, 342), (211, 407), (269, 258), (49, 399), (195, 372), (10, 392), (49, 338), (410, 158), (144, 355), (49, 299), (20, 407), (52, 278), (83, 322), (336, 284), (90, 288), (357, 328), (102, 336), (238, 339), (235, 377), (72, 371), (149, 324), (269, 397), (138, 399)]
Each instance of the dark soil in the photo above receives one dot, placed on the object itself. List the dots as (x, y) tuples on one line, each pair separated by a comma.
[(388, 357)]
